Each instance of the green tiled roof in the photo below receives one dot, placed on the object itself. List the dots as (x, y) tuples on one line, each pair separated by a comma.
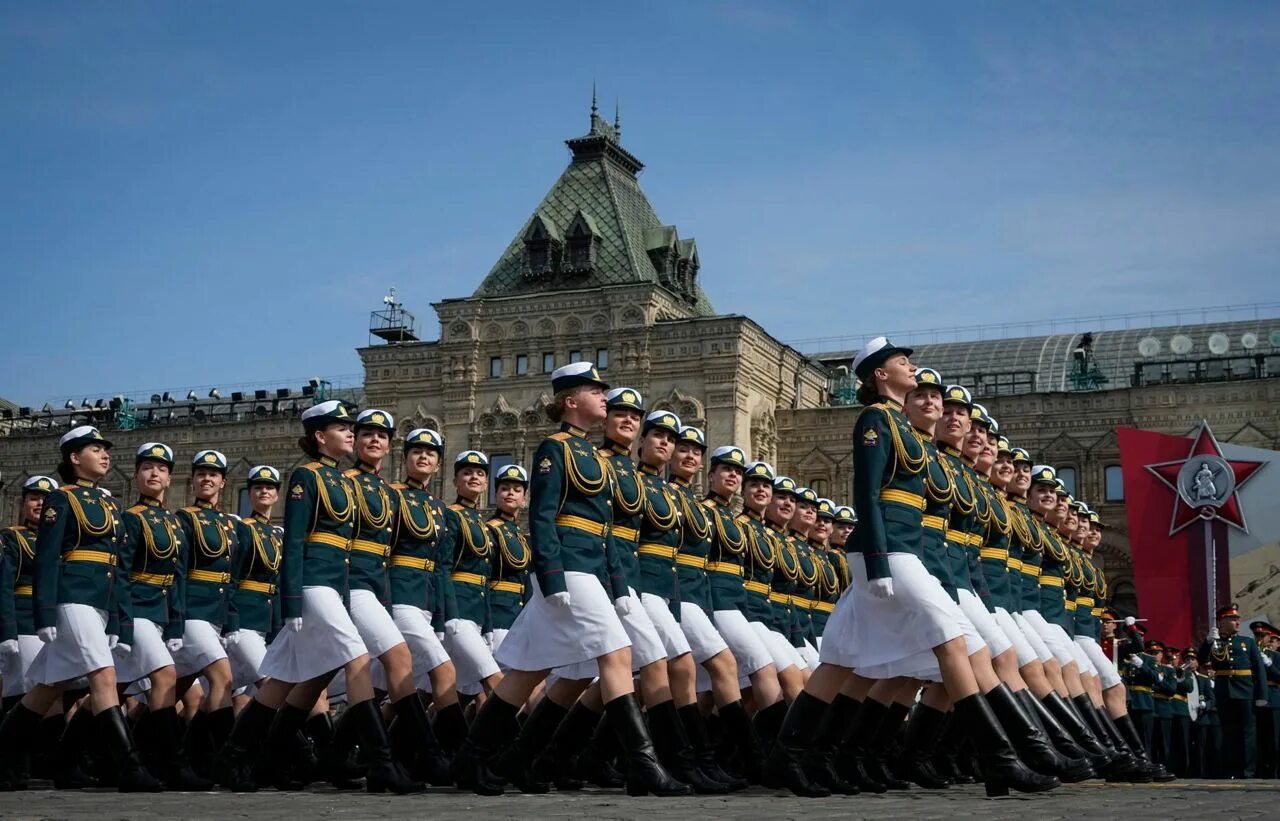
[(601, 183)]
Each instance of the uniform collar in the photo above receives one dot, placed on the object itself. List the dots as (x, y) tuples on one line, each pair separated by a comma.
[(718, 499), (328, 461), (365, 467), (774, 526), (649, 469), (679, 481), (415, 483), (795, 534), (27, 525), (1022, 500), (617, 447), (572, 430), (816, 545), (891, 403), (753, 515), (506, 517), (85, 483), (201, 503), (465, 502), (254, 516), (949, 450), (149, 502)]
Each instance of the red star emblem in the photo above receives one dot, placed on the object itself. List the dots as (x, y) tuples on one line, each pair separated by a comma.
[(1229, 511)]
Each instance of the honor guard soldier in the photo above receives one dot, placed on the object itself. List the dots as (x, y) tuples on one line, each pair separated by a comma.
[(472, 566), (1267, 718), (509, 578), (255, 605), (421, 559), (205, 591), (828, 588), (79, 582), (159, 556), (413, 743), (569, 619), (802, 522), (1240, 688), (1179, 715), (1206, 732), (18, 642)]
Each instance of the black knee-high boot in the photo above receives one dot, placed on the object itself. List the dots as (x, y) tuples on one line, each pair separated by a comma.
[(451, 728), (555, 764), (596, 761), (17, 732), (1002, 769), (740, 733), (704, 751), (1102, 759), (1031, 742), (69, 771), (1139, 772), (946, 755), (159, 737), (516, 764), (676, 753), (385, 774), (414, 744), (925, 726), (1058, 734), (494, 727), (852, 752), (784, 768), (1129, 731), (645, 774), (879, 748), (235, 762), (113, 729), (819, 760)]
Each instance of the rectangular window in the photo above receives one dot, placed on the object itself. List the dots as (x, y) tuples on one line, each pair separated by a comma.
[(602, 359), (1068, 477), (522, 364), (497, 461), (548, 362), (243, 508), (1115, 483), (575, 356), (495, 367)]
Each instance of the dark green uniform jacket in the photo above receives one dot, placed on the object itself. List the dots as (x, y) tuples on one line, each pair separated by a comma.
[(939, 489), (628, 509), (760, 560), (319, 514), (371, 539), (81, 555), (473, 562), (727, 559), (420, 560), (659, 540), (17, 563), (255, 605), (509, 579), (570, 510), (888, 487), (159, 557), (786, 578), (695, 546), (1239, 672), (205, 589)]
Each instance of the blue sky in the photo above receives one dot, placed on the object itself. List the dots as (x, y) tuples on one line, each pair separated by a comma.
[(199, 193)]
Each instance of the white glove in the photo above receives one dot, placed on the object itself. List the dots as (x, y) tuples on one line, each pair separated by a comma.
[(231, 639), (294, 624), (174, 645), (47, 634), (9, 647), (1214, 635), (1130, 621), (882, 588), (1135, 661), (1262, 702), (112, 641), (451, 627), (558, 600), (623, 606), (124, 648), (1266, 660)]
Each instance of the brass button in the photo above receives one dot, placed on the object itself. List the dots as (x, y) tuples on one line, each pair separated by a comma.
[(108, 574), (220, 590)]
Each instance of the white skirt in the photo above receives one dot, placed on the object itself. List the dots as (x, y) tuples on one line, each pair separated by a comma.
[(246, 658), (1081, 657), (749, 651), (147, 654), (1054, 637), (866, 632), (1033, 637), (495, 638), (470, 653), (14, 667), (1107, 674), (201, 646), (673, 639), (79, 649), (646, 644), (327, 641), (1021, 647), (983, 620), (810, 654), (783, 654), (424, 646), (377, 629), (704, 640), (545, 637)]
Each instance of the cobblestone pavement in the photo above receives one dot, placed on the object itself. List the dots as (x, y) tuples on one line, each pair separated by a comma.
[(1199, 799)]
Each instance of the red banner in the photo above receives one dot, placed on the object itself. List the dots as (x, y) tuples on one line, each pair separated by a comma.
[(1168, 571)]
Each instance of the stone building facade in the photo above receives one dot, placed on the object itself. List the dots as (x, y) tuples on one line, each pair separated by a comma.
[(594, 274)]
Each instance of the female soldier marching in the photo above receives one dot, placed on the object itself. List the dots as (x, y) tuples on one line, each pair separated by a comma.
[(79, 589)]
